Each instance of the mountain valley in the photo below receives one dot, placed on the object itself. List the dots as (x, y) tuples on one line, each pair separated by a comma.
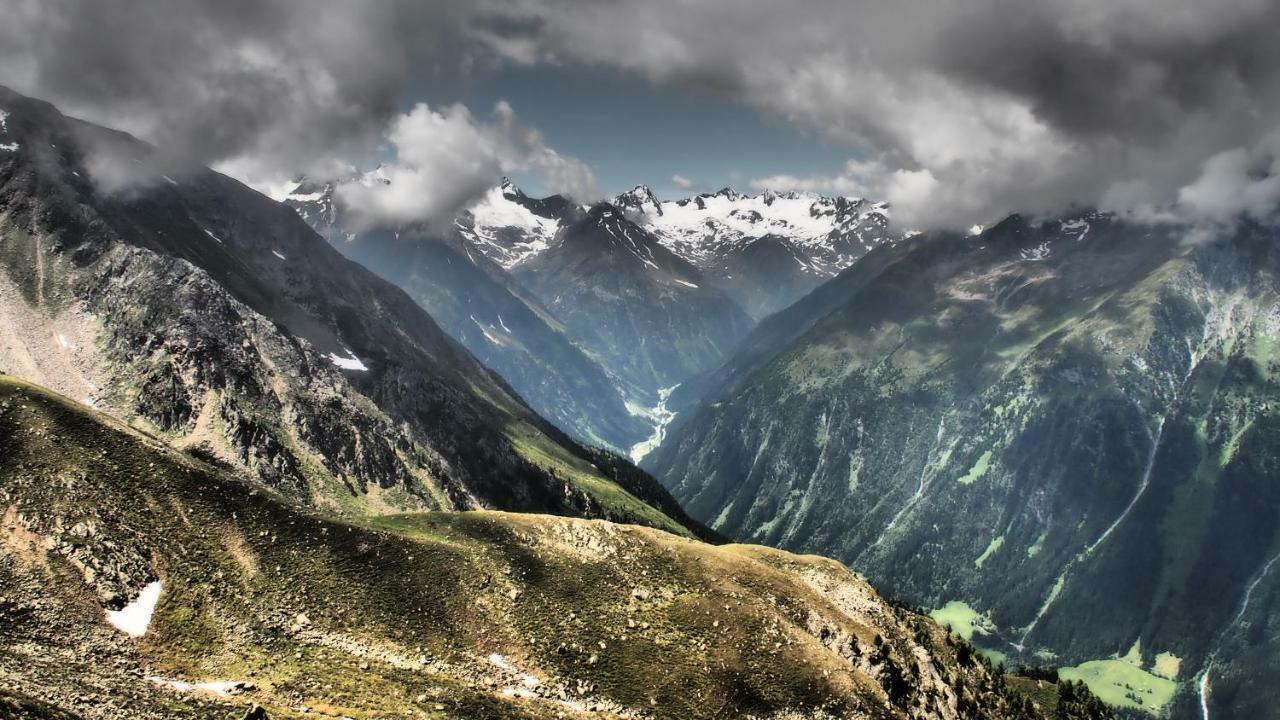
[(593, 313)]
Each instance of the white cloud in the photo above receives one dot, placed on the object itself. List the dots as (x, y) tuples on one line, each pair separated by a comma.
[(1240, 181), (445, 159), (681, 182)]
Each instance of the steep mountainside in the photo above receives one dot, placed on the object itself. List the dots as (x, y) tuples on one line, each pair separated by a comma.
[(766, 251), (659, 292), (481, 306), (1064, 433), (139, 582), (198, 309), (645, 311)]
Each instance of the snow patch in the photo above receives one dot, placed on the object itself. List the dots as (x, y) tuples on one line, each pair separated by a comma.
[(4, 121), (487, 330), (10, 147), (217, 687), (1037, 253), (307, 197), (1076, 226), (134, 619), (527, 680), (1204, 695), (215, 237), (351, 362), (279, 254), (686, 284)]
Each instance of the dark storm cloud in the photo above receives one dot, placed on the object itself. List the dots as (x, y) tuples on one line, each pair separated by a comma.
[(964, 110), (954, 111), (1131, 76), (273, 84)]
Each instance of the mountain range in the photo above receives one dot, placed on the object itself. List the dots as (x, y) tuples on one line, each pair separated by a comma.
[(634, 293), (240, 473), (1056, 434)]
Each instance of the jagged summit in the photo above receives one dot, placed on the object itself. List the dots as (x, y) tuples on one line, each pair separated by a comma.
[(766, 250), (639, 199), (509, 188)]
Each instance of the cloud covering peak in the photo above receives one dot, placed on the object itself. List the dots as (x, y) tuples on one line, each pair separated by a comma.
[(958, 112), (954, 112), (445, 159)]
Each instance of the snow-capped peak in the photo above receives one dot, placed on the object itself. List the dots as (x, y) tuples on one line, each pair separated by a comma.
[(729, 194), (503, 226), (830, 232), (306, 190), (313, 200), (827, 233)]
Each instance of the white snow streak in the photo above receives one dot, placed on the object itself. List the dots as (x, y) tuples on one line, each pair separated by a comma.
[(1204, 694), (351, 362), (217, 687)]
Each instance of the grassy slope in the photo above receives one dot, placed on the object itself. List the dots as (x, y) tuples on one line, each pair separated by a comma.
[(404, 614)]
